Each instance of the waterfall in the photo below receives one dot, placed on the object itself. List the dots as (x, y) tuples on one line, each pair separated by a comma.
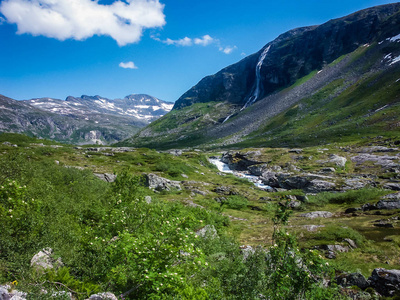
[(256, 92)]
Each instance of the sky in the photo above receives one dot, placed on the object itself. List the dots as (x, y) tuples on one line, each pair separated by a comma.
[(113, 48)]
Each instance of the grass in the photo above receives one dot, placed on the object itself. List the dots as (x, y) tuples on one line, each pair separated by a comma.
[(255, 229)]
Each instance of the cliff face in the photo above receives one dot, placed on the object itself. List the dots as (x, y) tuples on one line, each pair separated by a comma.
[(291, 56), (309, 85)]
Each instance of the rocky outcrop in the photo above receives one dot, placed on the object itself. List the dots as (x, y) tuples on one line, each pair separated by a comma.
[(317, 214), (352, 279), (312, 183), (103, 296), (385, 282), (7, 293), (207, 231), (240, 161), (107, 177), (45, 260), (159, 183)]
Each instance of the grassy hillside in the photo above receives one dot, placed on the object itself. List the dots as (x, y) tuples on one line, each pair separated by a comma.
[(110, 238)]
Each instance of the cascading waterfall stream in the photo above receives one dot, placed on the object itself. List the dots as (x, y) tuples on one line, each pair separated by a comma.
[(256, 92), (253, 98)]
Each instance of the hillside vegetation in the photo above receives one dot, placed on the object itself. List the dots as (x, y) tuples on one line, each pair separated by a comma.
[(179, 243)]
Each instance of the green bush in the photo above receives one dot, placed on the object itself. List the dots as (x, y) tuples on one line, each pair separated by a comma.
[(236, 202)]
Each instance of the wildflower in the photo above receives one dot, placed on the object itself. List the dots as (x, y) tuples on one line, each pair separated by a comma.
[(158, 289), (201, 221), (275, 245), (161, 233), (206, 264), (196, 236), (147, 276), (326, 264), (167, 222)]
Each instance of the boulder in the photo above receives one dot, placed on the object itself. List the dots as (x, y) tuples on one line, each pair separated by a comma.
[(385, 282), (159, 183), (317, 214), (207, 231), (44, 260), (313, 228), (336, 248), (317, 186), (340, 161), (240, 161), (392, 186), (225, 190), (351, 243), (388, 204), (352, 279), (103, 296), (106, 177), (246, 251), (259, 169)]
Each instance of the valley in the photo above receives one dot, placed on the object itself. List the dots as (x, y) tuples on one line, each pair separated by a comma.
[(278, 177)]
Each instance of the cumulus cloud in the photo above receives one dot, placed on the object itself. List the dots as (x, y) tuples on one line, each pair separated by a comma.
[(124, 21), (204, 41), (128, 65), (227, 49), (181, 42), (186, 41)]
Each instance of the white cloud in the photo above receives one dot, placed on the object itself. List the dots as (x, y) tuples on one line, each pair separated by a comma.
[(181, 42), (186, 41), (124, 21), (204, 41), (227, 49), (128, 65)]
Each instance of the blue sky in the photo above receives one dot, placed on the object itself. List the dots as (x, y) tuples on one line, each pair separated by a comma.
[(57, 48)]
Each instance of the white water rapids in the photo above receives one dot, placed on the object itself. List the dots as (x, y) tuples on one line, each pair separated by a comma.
[(256, 92), (223, 167)]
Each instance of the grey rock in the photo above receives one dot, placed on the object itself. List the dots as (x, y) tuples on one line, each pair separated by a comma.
[(317, 186), (386, 161), (388, 204), (246, 251), (385, 282), (147, 199), (103, 296), (240, 161), (159, 183), (356, 183), (330, 255), (44, 260), (175, 152), (225, 190), (336, 248), (259, 169), (317, 214), (340, 161), (294, 204), (207, 231), (107, 177), (313, 228), (368, 207), (351, 243), (392, 186), (353, 279), (393, 197)]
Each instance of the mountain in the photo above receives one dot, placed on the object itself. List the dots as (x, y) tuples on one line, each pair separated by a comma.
[(82, 120), (309, 85)]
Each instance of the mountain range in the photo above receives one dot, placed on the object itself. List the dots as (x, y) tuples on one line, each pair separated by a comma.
[(311, 85), (81, 120)]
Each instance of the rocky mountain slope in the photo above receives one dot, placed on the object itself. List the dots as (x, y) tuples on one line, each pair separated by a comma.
[(83, 120), (337, 78)]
